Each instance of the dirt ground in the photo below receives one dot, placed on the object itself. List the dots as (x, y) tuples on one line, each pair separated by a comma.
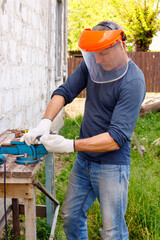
[(76, 107), (59, 162)]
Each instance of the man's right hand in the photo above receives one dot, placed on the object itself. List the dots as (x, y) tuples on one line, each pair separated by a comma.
[(42, 128)]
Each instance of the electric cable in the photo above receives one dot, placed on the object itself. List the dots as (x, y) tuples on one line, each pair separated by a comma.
[(5, 205)]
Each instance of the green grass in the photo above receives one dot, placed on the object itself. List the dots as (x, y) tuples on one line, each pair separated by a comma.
[(143, 211)]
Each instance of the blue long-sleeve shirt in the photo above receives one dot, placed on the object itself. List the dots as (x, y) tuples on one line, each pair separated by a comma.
[(110, 107)]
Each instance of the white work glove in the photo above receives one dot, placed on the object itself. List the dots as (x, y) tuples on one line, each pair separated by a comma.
[(57, 143), (42, 128)]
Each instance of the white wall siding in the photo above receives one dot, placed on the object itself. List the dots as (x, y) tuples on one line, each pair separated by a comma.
[(27, 60)]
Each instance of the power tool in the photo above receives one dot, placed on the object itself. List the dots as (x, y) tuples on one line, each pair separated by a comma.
[(2, 159), (24, 154)]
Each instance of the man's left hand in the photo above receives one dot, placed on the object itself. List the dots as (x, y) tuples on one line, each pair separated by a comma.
[(57, 143)]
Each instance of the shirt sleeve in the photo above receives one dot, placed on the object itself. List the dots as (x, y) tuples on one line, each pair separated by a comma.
[(126, 111), (75, 83)]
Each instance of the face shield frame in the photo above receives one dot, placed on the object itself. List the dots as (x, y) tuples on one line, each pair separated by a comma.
[(92, 43)]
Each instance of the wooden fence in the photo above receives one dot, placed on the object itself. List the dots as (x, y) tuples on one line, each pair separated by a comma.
[(148, 62)]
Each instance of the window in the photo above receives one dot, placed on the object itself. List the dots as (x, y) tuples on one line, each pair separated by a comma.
[(59, 46)]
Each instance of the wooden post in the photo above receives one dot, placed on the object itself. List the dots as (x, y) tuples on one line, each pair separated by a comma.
[(30, 217), (137, 143), (16, 225), (50, 185)]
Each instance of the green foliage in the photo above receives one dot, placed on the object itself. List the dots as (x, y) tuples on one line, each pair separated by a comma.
[(70, 124), (138, 18), (11, 233), (94, 221), (143, 212), (61, 187), (84, 14), (43, 229), (69, 130)]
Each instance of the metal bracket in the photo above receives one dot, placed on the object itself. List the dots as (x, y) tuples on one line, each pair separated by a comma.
[(56, 204)]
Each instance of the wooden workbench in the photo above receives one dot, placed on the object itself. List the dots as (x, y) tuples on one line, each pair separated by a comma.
[(19, 185)]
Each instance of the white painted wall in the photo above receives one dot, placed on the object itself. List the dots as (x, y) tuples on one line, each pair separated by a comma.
[(28, 60), (28, 57)]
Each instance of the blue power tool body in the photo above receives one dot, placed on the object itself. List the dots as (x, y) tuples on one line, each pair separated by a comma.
[(2, 159), (25, 154)]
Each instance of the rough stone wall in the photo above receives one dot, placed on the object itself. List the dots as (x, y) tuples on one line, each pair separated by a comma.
[(27, 61)]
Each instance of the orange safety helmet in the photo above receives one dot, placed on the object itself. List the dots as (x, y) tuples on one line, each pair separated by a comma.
[(104, 53), (91, 41)]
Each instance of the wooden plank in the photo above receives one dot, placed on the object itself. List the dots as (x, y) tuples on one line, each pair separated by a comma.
[(54, 223), (40, 210), (6, 136), (69, 66), (148, 62), (156, 72), (148, 108), (15, 216), (143, 63), (12, 168), (156, 83), (147, 73), (30, 218), (158, 88), (17, 190), (17, 180), (39, 185), (18, 170), (19, 185), (152, 72), (25, 171), (8, 172), (137, 143)]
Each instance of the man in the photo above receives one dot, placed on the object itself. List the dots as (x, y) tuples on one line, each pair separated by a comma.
[(115, 89)]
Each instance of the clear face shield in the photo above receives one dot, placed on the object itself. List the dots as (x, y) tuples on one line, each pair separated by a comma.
[(106, 61)]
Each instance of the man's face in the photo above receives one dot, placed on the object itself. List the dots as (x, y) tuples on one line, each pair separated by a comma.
[(112, 58)]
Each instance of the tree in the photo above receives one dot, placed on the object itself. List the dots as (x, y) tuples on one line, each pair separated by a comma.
[(84, 14), (139, 19)]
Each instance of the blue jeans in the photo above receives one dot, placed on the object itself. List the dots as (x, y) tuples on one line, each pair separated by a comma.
[(109, 184)]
